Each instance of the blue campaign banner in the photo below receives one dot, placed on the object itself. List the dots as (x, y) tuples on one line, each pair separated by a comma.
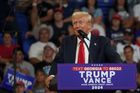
[(8, 80), (96, 76)]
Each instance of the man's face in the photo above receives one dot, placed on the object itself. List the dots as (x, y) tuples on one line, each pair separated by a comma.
[(19, 56), (40, 77), (138, 40), (7, 39), (81, 23), (128, 23), (44, 35), (121, 2), (128, 53), (116, 22), (20, 89), (49, 52), (91, 2), (128, 38), (58, 16)]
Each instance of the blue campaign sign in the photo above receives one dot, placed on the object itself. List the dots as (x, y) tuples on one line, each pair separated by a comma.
[(9, 80), (96, 76)]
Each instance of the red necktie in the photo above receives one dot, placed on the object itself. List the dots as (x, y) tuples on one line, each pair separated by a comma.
[(81, 53)]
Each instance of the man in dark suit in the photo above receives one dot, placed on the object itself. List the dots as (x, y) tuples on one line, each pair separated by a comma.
[(96, 49)]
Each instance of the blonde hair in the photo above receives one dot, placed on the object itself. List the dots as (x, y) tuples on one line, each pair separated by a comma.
[(80, 14)]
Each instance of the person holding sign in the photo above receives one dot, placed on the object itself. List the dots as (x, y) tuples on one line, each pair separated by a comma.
[(21, 65), (83, 47), (24, 72)]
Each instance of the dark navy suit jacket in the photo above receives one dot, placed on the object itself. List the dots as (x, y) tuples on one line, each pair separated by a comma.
[(100, 52)]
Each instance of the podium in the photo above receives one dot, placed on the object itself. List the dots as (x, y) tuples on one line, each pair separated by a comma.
[(95, 77)]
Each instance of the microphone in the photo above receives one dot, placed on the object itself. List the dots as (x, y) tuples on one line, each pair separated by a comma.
[(82, 34)]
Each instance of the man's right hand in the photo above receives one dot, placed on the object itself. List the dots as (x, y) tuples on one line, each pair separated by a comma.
[(48, 79)]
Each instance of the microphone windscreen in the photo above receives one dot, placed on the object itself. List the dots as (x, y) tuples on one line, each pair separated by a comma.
[(82, 34)]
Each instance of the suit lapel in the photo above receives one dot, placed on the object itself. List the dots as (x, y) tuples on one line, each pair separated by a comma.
[(72, 48), (93, 49)]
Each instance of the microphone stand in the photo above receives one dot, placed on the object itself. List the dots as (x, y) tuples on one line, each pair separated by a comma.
[(90, 56), (53, 82), (82, 36), (14, 67), (13, 9)]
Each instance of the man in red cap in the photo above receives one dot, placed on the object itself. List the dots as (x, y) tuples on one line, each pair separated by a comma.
[(115, 31)]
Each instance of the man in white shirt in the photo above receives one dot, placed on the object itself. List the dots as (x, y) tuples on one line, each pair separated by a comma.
[(136, 11), (36, 49)]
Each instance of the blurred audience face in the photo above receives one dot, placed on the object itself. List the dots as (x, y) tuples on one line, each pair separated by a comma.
[(20, 89), (49, 52), (64, 1), (39, 1), (91, 2), (58, 16), (81, 21), (40, 77), (44, 35), (138, 40), (121, 2), (128, 53), (128, 23), (19, 56), (116, 22), (128, 38), (7, 38)]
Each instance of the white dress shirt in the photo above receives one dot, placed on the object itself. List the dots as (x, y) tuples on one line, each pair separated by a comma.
[(136, 11), (85, 48)]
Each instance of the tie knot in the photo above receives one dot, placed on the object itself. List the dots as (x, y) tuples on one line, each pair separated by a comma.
[(81, 42)]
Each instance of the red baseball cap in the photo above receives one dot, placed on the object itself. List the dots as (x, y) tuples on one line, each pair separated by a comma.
[(116, 16), (20, 83), (58, 10)]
